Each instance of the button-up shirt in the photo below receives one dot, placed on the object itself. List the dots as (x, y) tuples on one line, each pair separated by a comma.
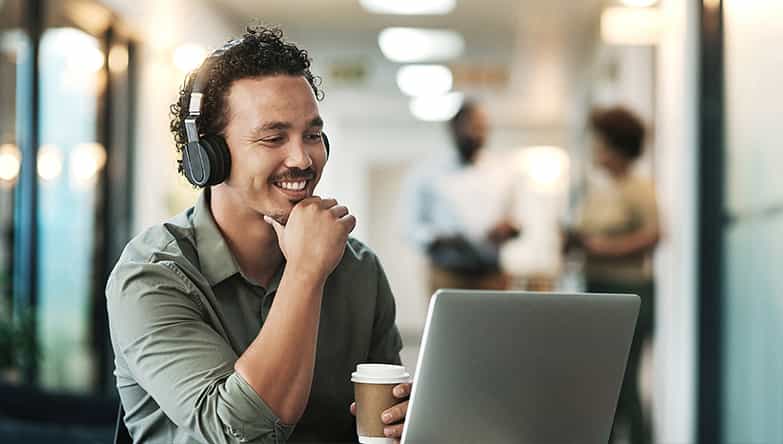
[(181, 313)]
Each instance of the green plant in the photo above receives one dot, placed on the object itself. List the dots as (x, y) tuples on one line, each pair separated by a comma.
[(18, 345)]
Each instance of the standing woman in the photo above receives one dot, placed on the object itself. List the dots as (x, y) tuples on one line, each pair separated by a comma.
[(619, 231)]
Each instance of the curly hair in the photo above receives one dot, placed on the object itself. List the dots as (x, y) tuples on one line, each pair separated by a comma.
[(621, 128), (261, 51)]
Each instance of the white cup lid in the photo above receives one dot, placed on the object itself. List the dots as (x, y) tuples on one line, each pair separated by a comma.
[(380, 374)]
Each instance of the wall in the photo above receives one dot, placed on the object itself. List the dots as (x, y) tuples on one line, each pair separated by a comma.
[(753, 286), (676, 176)]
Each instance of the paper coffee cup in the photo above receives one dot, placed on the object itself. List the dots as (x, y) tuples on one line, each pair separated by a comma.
[(373, 384)]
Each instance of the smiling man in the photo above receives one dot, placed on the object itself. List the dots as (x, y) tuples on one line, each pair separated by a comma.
[(241, 319)]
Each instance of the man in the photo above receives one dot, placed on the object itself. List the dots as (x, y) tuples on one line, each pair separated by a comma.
[(241, 319), (436, 220)]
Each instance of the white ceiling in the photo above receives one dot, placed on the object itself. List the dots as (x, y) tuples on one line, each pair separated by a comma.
[(471, 16), (546, 44)]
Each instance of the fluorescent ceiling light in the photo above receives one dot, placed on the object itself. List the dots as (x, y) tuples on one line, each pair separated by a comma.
[(436, 108), (407, 45), (630, 26), (424, 80), (639, 3), (409, 7)]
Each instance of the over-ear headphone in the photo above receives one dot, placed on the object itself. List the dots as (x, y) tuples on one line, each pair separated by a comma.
[(206, 158)]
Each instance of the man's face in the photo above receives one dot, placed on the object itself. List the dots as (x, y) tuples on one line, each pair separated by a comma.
[(472, 133), (274, 137)]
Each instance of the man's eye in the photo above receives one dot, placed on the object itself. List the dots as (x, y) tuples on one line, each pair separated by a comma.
[(271, 140), (314, 137)]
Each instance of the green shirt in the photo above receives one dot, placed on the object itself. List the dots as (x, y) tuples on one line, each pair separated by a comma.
[(181, 313)]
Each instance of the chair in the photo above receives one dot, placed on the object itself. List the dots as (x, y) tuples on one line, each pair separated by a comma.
[(121, 434)]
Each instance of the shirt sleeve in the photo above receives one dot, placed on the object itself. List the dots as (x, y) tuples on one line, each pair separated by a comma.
[(386, 340), (156, 323)]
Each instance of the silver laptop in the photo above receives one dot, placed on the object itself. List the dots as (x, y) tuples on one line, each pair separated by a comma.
[(515, 367)]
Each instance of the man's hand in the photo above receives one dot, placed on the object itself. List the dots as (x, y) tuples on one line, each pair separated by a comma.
[(394, 416), (502, 232), (597, 245), (313, 240)]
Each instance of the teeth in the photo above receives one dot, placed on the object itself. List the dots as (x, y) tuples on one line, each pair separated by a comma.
[(293, 186)]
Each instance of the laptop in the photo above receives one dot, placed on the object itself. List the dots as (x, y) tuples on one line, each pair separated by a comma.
[(518, 367)]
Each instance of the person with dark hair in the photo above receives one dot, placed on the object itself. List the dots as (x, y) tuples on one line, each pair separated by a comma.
[(435, 224), (241, 319), (619, 230)]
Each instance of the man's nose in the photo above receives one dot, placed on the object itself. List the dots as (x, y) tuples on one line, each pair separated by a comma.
[(297, 156)]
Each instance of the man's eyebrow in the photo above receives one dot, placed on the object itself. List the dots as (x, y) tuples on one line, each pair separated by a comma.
[(273, 125), (315, 122)]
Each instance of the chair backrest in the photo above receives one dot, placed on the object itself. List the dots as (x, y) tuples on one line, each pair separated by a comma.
[(121, 434)]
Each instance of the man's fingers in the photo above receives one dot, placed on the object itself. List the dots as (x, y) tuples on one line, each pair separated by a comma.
[(394, 431), (327, 203), (349, 221), (402, 391), (339, 210), (276, 225), (395, 414), (353, 409)]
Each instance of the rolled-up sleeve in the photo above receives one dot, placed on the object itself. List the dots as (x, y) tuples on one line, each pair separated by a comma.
[(156, 324)]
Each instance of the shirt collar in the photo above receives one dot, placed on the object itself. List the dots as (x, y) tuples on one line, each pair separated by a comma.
[(216, 260)]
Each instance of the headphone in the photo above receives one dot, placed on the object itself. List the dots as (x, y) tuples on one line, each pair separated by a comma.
[(206, 158)]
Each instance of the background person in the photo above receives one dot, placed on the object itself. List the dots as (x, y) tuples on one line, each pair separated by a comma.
[(457, 210), (619, 230)]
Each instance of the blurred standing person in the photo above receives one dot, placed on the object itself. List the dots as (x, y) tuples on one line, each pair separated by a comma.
[(456, 210), (619, 230)]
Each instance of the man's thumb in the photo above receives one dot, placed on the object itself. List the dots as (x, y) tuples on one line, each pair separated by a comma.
[(276, 225)]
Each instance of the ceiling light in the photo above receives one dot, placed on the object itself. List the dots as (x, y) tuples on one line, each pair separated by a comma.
[(419, 45), (424, 80), (50, 162), (545, 166), (10, 162), (118, 58), (81, 51), (436, 108), (189, 56), (87, 159), (409, 7), (630, 26)]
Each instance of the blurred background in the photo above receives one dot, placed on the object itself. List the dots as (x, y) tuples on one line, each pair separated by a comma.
[(87, 162)]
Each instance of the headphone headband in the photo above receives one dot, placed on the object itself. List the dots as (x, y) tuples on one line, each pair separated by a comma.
[(202, 77), (197, 166)]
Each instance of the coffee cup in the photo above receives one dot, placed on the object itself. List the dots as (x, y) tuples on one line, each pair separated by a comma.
[(373, 384)]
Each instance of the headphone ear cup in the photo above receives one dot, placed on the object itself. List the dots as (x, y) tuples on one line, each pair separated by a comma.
[(219, 158), (196, 164), (326, 143)]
